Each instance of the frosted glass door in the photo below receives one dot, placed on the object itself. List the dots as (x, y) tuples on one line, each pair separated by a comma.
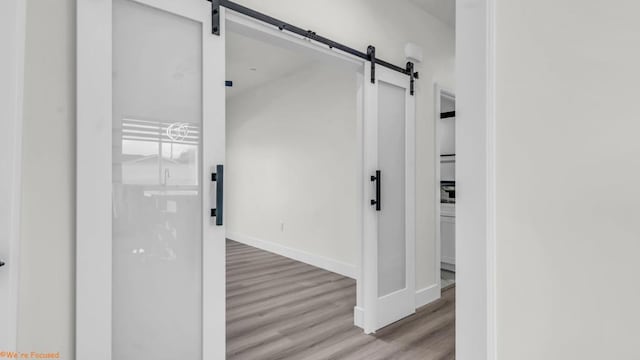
[(389, 244), (157, 235), (151, 128), (392, 257)]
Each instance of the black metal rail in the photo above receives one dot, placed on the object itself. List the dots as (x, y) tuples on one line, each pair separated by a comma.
[(369, 55)]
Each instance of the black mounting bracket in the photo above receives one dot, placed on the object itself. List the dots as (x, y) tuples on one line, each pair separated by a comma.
[(412, 76), (215, 17), (371, 53)]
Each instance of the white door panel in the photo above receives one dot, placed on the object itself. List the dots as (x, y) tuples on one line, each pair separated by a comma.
[(166, 261), (157, 222), (391, 161), (389, 226)]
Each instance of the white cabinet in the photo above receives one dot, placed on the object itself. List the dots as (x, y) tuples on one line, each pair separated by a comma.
[(448, 237), (448, 168), (448, 234)]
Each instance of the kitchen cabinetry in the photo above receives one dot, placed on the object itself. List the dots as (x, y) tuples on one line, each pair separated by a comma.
[(448, 236)]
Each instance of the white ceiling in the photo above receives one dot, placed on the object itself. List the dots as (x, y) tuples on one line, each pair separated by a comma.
[(252, 63), (445, 10)]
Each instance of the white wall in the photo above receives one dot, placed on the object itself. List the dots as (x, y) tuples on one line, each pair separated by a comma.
[(291, 172), (48, 250), (46, 314), (568, 168), (12, 32)]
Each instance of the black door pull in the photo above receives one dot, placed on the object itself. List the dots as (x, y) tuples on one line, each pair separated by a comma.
[(218, 178), (377, 178)]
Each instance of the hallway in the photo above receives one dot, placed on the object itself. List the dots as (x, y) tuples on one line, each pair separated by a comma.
[(278, 308)]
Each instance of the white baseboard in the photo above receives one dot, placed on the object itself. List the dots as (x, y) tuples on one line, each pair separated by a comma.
[(358, 317), (427, 295), (321, 262), (424, 296)]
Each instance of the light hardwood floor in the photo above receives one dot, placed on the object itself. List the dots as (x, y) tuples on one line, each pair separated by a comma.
[(278, 308)]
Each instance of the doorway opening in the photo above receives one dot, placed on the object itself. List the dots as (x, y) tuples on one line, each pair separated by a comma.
[(445, 126), (295, 160), (292, 199)]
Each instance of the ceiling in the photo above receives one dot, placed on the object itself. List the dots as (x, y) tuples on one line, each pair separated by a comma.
[(252, 63), (445, 10)]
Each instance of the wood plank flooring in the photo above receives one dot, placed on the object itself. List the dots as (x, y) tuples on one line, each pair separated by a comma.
[(278, 308)]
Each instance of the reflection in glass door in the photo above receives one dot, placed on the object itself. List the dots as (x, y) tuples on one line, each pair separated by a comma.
[(157, 203), (392, 254)]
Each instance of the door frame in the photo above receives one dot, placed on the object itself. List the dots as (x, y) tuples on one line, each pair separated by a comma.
[(256, 29), (476, 310), (13, 29), (439, 90)]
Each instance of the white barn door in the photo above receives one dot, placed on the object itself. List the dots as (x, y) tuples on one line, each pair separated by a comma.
[(151, 131), (389, 220)]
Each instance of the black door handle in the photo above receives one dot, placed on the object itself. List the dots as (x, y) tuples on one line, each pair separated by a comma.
[(218, 178), (1, 263), (377, 178)]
